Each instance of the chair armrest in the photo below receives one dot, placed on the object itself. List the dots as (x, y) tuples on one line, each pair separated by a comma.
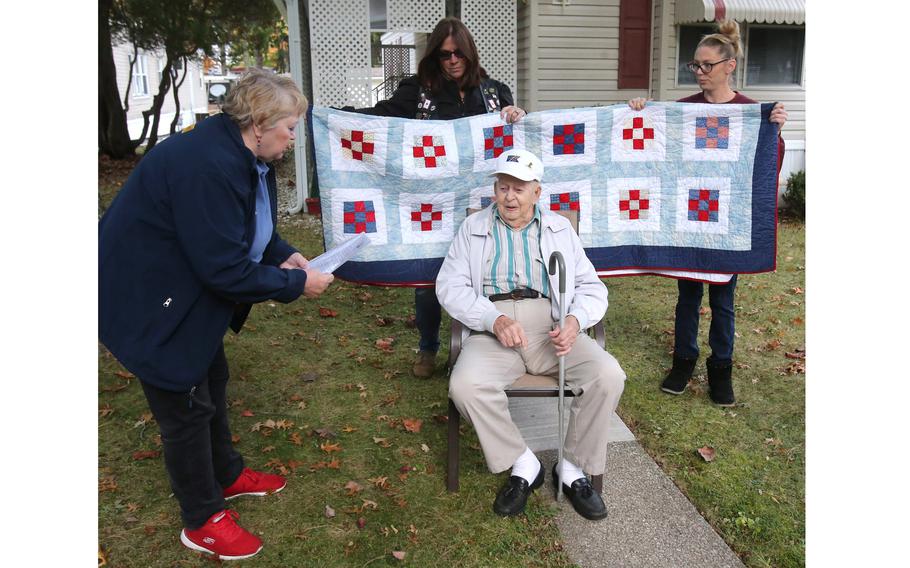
[(597, 332), (454, 345)]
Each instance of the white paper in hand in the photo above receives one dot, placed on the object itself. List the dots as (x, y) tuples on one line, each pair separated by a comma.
[(330, 260)]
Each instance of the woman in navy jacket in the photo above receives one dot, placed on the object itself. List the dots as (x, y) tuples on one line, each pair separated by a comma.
[(187, 246)]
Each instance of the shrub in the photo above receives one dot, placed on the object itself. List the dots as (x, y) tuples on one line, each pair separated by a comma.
[(795, 194)]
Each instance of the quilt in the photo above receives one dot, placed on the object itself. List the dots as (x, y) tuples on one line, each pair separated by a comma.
[(673, 187)]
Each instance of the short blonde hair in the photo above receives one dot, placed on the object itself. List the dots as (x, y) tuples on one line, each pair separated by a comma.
[(726, 40), (263, 98)]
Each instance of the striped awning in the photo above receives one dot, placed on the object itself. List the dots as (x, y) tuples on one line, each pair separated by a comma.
[(758, 11)]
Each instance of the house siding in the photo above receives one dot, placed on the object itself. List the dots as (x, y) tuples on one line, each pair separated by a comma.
[(576, 60), (193, 97), (577, 54)]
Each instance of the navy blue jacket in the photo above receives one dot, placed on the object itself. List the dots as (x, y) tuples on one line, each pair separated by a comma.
[(173, 255)]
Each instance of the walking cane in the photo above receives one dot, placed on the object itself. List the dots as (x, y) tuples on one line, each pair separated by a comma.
[(556, 258)]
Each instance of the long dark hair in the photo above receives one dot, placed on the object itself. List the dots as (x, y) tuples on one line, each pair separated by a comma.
[(429, 70)]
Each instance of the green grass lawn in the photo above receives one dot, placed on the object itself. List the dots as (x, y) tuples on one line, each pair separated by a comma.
[(314, 398)]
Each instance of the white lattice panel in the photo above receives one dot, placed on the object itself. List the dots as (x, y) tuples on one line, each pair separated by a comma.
[(492, 23), (340, 52), (415, 15)]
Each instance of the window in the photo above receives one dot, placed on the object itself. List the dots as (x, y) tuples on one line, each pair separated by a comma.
[(774, 55), (378, 11), (140, 77), (689, 36)]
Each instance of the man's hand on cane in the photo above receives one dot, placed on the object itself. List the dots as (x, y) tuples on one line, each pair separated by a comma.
[(563, 339)]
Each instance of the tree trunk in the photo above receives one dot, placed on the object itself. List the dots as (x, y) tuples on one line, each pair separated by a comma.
[(155, 112), (113, 134), (129, 79), (177, 85)]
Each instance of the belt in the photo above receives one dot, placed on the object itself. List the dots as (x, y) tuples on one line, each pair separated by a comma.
[(516, 294)]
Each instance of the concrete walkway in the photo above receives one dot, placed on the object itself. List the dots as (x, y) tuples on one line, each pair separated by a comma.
[(651, 523)]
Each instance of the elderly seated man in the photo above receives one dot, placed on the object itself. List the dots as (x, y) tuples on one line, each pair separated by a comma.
[(494, 280)]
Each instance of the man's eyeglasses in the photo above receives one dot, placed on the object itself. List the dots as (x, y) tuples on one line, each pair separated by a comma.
[(446, 55), (705, 67)]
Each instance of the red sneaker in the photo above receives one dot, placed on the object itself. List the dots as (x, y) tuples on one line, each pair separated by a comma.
[(255, 483), (222, 537)]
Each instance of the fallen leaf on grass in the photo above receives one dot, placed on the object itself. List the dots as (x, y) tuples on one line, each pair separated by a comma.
[(324, 433), (426, 448), (380, 482), (794, 368), (410, 322), (361, 522), (295, 438), (383, 321), (412, 424), (798, 354), (329, 448), (146, 418), (247, 413), (329, 512), (369, 504), (797, 290), (353, 488), (385, 344), (399, 554), (707, 453), (309, 377), (383, 442), (105, 411), (125, 374), (102, 558), (146, 455), (348, 429), (107, 484), (327, 313), (773, 344)]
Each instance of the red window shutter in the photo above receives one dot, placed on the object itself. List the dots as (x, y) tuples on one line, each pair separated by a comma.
[(634, 43)]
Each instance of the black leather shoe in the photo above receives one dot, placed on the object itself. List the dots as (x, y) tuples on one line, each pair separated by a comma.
[(513, 496), (585, 500)]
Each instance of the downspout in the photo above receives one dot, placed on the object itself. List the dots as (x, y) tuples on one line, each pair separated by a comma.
[(290, 10)]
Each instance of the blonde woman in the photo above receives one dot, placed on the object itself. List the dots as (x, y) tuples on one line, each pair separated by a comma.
[(714, 62), (187, 246)]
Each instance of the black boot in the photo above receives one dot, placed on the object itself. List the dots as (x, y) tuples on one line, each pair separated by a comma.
[(720, 382), (678, 377)]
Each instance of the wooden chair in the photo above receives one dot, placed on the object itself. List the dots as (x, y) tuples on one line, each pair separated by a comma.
[(526, 386)]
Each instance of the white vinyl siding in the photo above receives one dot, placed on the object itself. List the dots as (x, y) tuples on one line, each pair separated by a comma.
[(568, 56)]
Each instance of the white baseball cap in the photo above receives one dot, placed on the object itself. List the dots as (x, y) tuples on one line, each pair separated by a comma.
[(520, 164)]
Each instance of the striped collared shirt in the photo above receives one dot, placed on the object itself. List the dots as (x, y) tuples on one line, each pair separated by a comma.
[(515, 260)]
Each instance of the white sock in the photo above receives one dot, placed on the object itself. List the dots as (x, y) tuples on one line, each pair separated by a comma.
[(526, 466), (569, 472)]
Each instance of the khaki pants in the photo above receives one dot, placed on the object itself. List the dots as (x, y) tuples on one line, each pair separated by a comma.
[(485, 368)]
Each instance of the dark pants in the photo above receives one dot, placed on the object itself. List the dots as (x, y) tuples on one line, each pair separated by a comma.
[(428, 315), (198, 453), (721, 334)]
